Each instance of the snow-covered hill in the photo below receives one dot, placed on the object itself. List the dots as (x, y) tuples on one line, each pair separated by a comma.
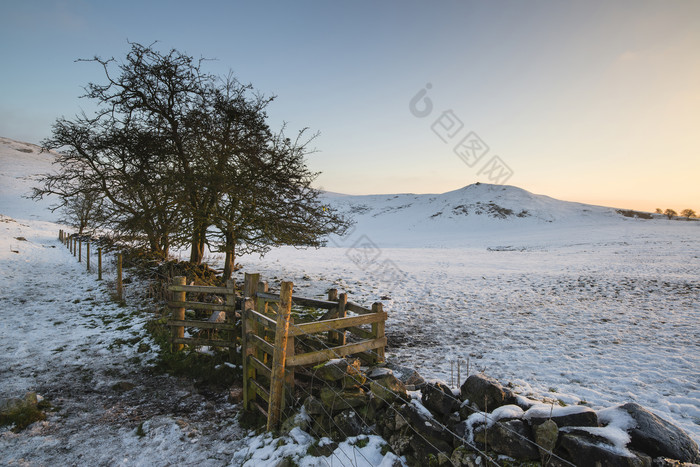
[(21, 166), (477, 215)]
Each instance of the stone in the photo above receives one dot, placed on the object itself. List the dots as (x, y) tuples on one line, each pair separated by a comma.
[(563, 416), (6, 405), (463, 457), (354, 378), (313, 406), (443, 459), (379, 372), (388, 389), (427, 436), (659, 438), (438, 398), (347, 423), (513, 439), (332, 370), (665, 462), (483, 391), (587, 450), (414, 380), (335, 400), (546, 435), (325, 450)]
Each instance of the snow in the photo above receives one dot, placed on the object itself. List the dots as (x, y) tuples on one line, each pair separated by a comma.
[(546, 411), (569, 303), (361, 451), (573, 303), (62, 336)]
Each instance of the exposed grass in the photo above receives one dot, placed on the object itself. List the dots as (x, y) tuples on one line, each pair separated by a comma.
[(208, 369)]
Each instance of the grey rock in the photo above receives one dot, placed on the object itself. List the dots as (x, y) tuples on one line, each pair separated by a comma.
[(388, 389), (585, 417), (335, 400), (586, 450), (333, 370), (347, 423), (546, 436), (513, 438), (313, 406), (659, 438), (463, 457), (483, 391), (438, 398)]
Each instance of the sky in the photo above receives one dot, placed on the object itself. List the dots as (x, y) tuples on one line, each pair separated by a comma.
[(589, 101)]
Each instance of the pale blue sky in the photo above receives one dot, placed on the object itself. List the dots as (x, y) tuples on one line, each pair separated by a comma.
[(591, 101)]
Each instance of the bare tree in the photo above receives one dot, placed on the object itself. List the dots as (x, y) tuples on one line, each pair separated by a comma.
[(174, 151), (670, 213), (688, 213)]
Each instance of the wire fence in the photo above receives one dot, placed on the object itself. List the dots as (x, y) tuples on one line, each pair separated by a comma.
[(109, 268)]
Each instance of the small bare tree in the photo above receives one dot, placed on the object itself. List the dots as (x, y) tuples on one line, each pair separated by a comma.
[(659, 211), (670, 213)]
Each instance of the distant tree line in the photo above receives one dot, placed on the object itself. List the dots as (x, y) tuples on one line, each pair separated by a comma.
[(178, 157), (670, 213)]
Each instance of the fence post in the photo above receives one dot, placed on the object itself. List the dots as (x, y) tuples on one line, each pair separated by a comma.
[(72, 247), (289, 372), (119, 277), (378, 330), (178, 312), (332, 297), (231, 315), (87, 255), (342, 303), (280, 356), (250, 283), (80, 250), (99, 264)]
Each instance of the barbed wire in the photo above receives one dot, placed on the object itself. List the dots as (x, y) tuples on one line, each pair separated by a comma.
[(459, 402), (398, 396)]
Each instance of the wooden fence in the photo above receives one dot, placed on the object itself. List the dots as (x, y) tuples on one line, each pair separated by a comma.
[(269, 335), (263, 325), (209, 316)]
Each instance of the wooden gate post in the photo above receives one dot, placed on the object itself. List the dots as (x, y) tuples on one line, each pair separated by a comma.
[(378, 331), (342, 313), (231, 316), (251, 281), (178, 313), (289, 372), (279, 357), (80, 250), (87, 255)]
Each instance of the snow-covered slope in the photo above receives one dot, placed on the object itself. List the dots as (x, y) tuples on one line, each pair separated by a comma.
[(21, 167), (476, 215)]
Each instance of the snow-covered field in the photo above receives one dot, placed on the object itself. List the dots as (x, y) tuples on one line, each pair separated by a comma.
[(565, 301), (570, 302), (62, 337)]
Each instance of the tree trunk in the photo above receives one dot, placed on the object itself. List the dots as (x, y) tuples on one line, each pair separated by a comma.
[(230, 261), (197, 247)]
